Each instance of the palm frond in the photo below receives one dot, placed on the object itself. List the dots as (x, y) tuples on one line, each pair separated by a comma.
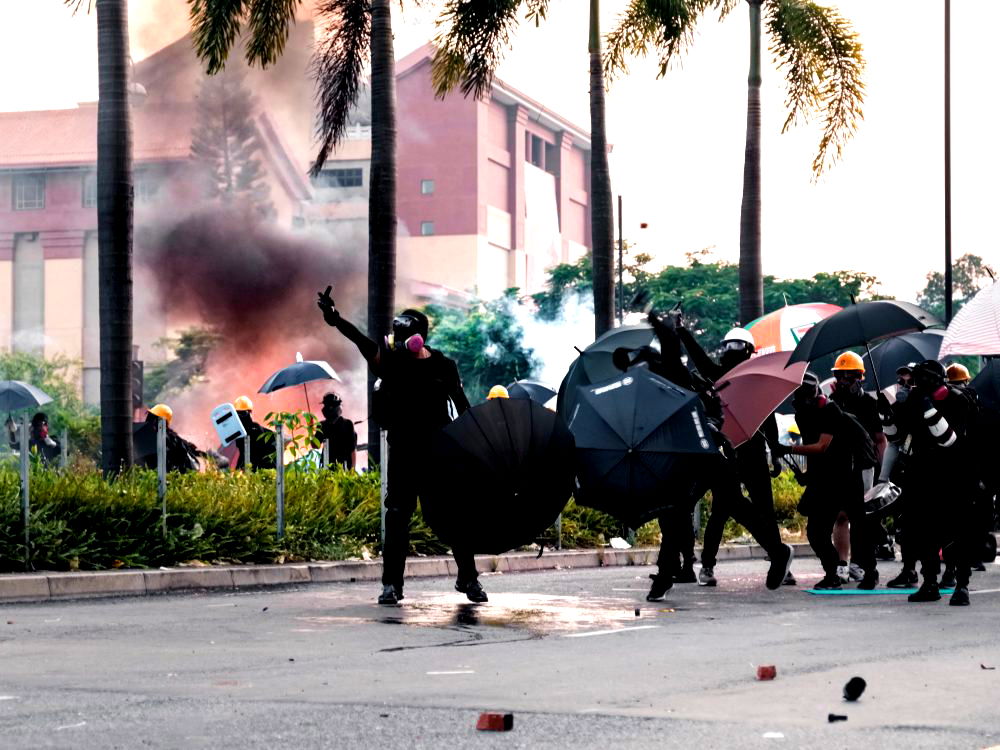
[(472, 38), (666, 26), (338, 67), (823, 63), (77, 4), (215, 26), (267, 24)]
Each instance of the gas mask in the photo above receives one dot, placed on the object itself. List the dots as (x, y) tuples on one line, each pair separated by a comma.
[(849, 382), (733, 353), (406, 335)]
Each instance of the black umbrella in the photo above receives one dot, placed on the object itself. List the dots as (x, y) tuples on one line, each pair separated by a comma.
[(531, 389), (642, 443), (883, 360), (860, 325), (16, 395), (594, 363), (502, 474), (987, 385)]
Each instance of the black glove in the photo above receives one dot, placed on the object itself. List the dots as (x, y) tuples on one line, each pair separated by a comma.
[(676, 318), (778, 450), (884, 407), (325, 303)]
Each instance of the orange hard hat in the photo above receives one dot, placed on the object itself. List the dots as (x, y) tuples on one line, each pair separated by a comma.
[(243, 403), (849, 361), (163, 411), (957, 373), (498, 391)]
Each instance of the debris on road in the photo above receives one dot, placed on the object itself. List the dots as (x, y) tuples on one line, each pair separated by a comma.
[(636, 611), (983, 666), (854, 688), (773, 736), (767, 672), (495, 722), (836, 717)]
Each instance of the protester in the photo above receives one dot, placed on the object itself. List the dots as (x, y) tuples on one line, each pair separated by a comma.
[(263, 442), (722, 477), (957, 375), (833, 480), (933, 421), (497, 391), (181, 456), (338, 433), (40, 443), (848, 393), (412, 404), (894, 464), (751, 457)]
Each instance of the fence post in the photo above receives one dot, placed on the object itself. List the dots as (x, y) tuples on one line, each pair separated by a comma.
[(279, 465), (559, 532), (246, 453), (161, 469), (384, 477), (64, 449), (25, 488), (326, 454)]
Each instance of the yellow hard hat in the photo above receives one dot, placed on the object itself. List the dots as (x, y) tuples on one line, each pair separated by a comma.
[(243, 403), (957, 373), (498, 391), (793, 429), (849, 361), (163, 411)]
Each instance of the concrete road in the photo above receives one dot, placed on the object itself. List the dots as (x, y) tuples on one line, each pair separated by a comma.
[(322, 666)]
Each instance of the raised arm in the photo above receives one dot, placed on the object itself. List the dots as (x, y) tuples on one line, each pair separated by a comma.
[(702, 362), (368, 348)]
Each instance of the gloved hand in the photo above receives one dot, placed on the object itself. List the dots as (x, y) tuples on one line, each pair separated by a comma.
[(778, 450), (325, 303), (884, 407)]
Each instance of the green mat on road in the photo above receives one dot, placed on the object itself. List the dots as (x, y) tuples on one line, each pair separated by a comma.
[(864, 592)]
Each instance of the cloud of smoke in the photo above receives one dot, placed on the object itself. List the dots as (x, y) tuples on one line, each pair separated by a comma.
[(553, 341)]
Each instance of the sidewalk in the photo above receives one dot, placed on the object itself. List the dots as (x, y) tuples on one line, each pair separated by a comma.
[(44, 586)]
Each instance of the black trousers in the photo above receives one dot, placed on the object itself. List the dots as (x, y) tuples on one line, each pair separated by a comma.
[(824, 505), (940, 513), (406, 464), (681, 528)]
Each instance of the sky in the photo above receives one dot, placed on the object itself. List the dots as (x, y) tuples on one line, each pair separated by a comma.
[(678, 142)]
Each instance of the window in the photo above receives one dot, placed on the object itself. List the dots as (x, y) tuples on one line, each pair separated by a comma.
[(89, 190), (29, 192), (146, 187), (340, 178), (427, 187), (534, 150), (427, 228), (551, 157)]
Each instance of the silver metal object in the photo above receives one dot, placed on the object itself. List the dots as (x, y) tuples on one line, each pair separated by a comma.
[(279, 465), (384, 475), (326, 454), (25, 488), (246, 453), (64, 450), (559, 532), (880, 497), (161, 469)]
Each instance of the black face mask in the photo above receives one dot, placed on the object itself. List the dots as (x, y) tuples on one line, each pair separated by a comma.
[(732, 357), (331, 412)]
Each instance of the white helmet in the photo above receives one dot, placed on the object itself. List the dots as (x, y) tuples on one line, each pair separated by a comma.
[(740, 334)]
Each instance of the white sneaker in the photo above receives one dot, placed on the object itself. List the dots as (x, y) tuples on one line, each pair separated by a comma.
[(843, 573), (855, 572), (706, 576)]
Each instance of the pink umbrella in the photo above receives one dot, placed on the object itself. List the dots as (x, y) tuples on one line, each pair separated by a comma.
[(975, 329), (752, 390)]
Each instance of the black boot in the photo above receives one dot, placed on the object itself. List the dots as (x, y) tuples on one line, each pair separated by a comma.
[(662, 583), (928, 592), (948, 579), (906, 579), (961, 597)]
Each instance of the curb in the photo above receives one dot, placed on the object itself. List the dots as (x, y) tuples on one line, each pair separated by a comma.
[(47, 586)]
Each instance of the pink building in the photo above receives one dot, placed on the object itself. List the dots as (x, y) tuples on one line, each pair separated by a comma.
[(491, 193)]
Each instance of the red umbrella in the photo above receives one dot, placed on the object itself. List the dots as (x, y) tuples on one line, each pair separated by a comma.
[(752, 390)]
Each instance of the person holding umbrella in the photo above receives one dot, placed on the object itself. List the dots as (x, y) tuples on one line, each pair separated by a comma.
[(338, 432), (412, 404), (40, 443)]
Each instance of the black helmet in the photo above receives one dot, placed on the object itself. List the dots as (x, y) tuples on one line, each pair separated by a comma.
[(929, 374)]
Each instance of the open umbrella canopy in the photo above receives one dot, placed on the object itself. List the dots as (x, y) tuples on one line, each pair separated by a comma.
[(987, 385), (300, 373), (641, 444), (752, 390), (531, 389), (783, 329), (16, 395), (503, 473), (975, 329), (860, 325), (893, 353), (595, 362)]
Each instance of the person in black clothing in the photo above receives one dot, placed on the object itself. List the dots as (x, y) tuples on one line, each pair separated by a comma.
[(182, 456), (412, 398), (339, 432), (263, 442), (721, 477), (934, 421), (894, 468), (40, 443), (833, 480), (751, 457)]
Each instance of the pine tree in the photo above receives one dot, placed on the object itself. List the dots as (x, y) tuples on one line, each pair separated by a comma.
[(225, 143)]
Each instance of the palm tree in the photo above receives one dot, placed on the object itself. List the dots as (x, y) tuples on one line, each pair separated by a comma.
[(355, 31), (114, 232), (821, 57), (468, 53)]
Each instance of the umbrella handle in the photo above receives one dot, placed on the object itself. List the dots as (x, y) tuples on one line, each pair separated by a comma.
[(871, 361)]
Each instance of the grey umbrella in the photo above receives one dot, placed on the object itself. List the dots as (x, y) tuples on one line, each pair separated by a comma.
[(16, 395)]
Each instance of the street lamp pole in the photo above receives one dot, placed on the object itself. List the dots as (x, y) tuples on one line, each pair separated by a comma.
[(947, 162), (621, 256)]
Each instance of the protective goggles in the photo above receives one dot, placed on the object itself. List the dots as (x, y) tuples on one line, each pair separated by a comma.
[(735, 346), (848, 376)]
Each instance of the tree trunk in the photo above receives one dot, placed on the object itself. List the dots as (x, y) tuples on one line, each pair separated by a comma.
[(751, 281), (602, 230), (114, 234), (382, 190)]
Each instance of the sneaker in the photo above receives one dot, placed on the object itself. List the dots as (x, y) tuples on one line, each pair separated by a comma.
[(869, 582), (948, 579), (686, 575), (960, 598), (829, 582), (905, 580), (843, 572), (855, 572), (928, 592), (789, 580), (661, 585), (473, 590), (706, 576), (780, 567), (389, 595)]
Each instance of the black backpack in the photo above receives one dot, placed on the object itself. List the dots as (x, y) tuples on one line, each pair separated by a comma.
[(862, 447)]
